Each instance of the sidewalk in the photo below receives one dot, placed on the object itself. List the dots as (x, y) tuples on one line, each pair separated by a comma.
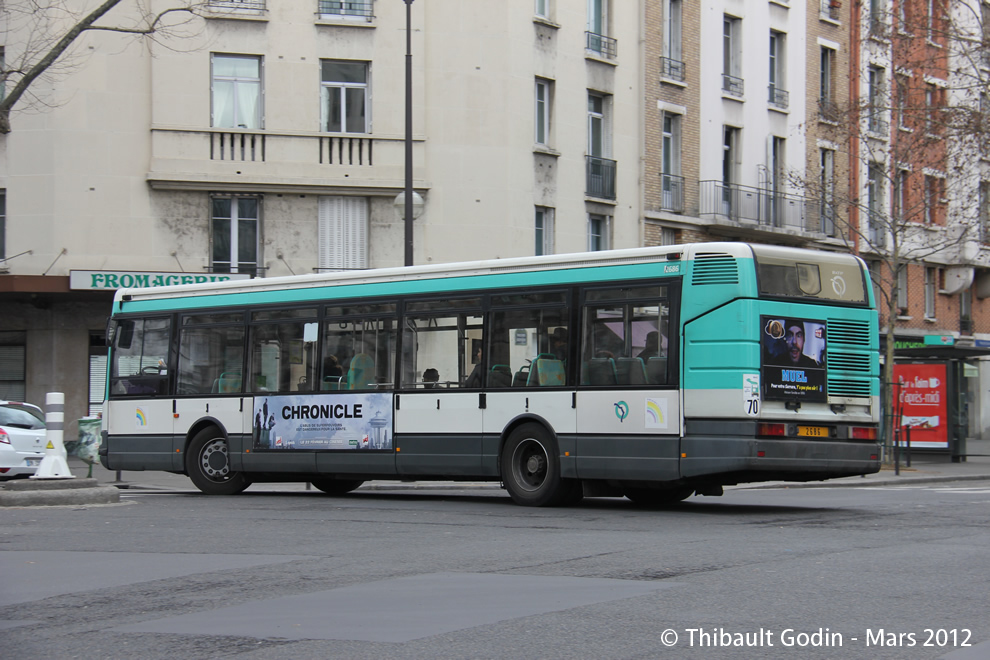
[(925, 469)]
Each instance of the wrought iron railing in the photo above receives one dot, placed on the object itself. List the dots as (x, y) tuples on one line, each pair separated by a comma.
[(778, 97), (598, 43), (672, 69), (672, 193), (745, 204), (732, 85), (600, 178), (345, 8), (254, 5)]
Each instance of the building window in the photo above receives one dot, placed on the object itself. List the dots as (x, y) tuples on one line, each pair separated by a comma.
[(901, 91), (778, 96), (234, 233), (600, 168), (343, 233), (827, 186), (544, 230), (876, 234), (542, 9), (827, 108), (900, 194), (730, 156), (672, 183), (673, 62), (984, 211), (599, 230), (544, 99), (933, 199), (902, 291), (732, 84), (875, 100), (931, 281), (598, 17), (237, 91), (775, 184), (344, 97), (3, 224), (13, 348)]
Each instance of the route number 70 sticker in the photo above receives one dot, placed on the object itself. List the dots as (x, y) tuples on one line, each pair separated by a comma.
[(751, 394)]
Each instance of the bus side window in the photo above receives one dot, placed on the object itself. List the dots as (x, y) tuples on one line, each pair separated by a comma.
[(359, 345), (439, 345), (140, 357), (531, 339)]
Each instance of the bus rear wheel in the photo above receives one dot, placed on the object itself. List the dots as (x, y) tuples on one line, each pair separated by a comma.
[(208, 465), (654, 497), (531, 469), (336, 486)]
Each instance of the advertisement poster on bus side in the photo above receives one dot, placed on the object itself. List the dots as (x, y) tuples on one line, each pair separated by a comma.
[(793, 359), (322, 421), (922, 394)]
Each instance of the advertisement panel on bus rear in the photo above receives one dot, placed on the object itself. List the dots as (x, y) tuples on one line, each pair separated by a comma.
[(314, 421), (793, 359)]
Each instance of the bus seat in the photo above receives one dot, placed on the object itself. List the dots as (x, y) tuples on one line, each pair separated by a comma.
[(361, 372), (656, 370), (229, 382), (630, 371), (522, 376), (500, 376), (547, 373), (601, 371), (330, 383)]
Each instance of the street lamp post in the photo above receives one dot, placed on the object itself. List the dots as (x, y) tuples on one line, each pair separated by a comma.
[(408, 211)]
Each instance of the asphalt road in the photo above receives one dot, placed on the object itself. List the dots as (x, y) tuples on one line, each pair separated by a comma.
[(759, 573)]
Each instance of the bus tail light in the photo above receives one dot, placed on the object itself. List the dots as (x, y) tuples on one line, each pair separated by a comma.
[(864, 433), (765, 428)]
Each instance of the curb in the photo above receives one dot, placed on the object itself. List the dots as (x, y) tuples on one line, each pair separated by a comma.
[(868, 483), (57, 492)]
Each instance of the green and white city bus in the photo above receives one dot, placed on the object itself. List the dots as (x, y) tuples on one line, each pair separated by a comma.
[(650, 373)]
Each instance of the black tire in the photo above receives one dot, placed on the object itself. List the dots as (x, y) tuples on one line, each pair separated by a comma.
[(657, 497), (531, 469), (336, 486), (208, 465)]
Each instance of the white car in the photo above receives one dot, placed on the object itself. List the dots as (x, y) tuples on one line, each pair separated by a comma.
[(22, 439)]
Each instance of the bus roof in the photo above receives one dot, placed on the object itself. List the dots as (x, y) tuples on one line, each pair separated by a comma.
[(444, 270)]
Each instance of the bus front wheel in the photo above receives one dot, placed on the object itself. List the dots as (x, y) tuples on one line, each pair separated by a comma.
[(531, 469), (336, 486), (208, 465)]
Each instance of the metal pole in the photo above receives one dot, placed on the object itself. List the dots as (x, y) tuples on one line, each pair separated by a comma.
[(907, 445), (409, 155)]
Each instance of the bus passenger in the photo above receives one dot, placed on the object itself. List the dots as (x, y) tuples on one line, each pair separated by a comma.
[(430, 378)]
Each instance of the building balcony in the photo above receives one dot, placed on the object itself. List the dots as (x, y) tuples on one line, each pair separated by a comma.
[(261, 160), (745, 205), (600, 45), (732, 85), (778, 97), (600, 180), (671, 69), (831, 9), (671, 193), (338, 10)]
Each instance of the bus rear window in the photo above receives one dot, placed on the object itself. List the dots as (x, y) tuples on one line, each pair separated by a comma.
[(818, 275)]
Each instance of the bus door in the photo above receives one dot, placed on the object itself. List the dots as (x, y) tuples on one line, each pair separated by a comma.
[(628, 402), (529, 367), (437, 417)]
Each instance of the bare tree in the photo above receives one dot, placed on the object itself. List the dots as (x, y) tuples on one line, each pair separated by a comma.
[(46, 30), (912, 138)]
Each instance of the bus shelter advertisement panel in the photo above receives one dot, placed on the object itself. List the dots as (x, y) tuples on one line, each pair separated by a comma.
[(922, 395), (329, 421), (793, 359)]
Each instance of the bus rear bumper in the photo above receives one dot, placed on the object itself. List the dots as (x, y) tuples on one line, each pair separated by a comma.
[(746, 460)]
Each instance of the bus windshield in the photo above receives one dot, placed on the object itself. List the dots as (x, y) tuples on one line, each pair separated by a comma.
[(819, 275)]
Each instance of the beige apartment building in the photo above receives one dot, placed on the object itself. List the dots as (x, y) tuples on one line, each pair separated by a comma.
[(263, 138)]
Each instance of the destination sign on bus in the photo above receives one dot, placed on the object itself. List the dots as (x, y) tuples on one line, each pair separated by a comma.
[(793, 359)]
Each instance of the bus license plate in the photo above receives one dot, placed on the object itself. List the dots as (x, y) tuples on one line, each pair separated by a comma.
[(813, 431)]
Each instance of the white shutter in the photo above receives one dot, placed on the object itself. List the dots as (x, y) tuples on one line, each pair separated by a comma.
[(97, 382), (343, 232)]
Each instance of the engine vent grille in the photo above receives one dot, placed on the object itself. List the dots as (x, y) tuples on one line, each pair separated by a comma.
[(715, 268)]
